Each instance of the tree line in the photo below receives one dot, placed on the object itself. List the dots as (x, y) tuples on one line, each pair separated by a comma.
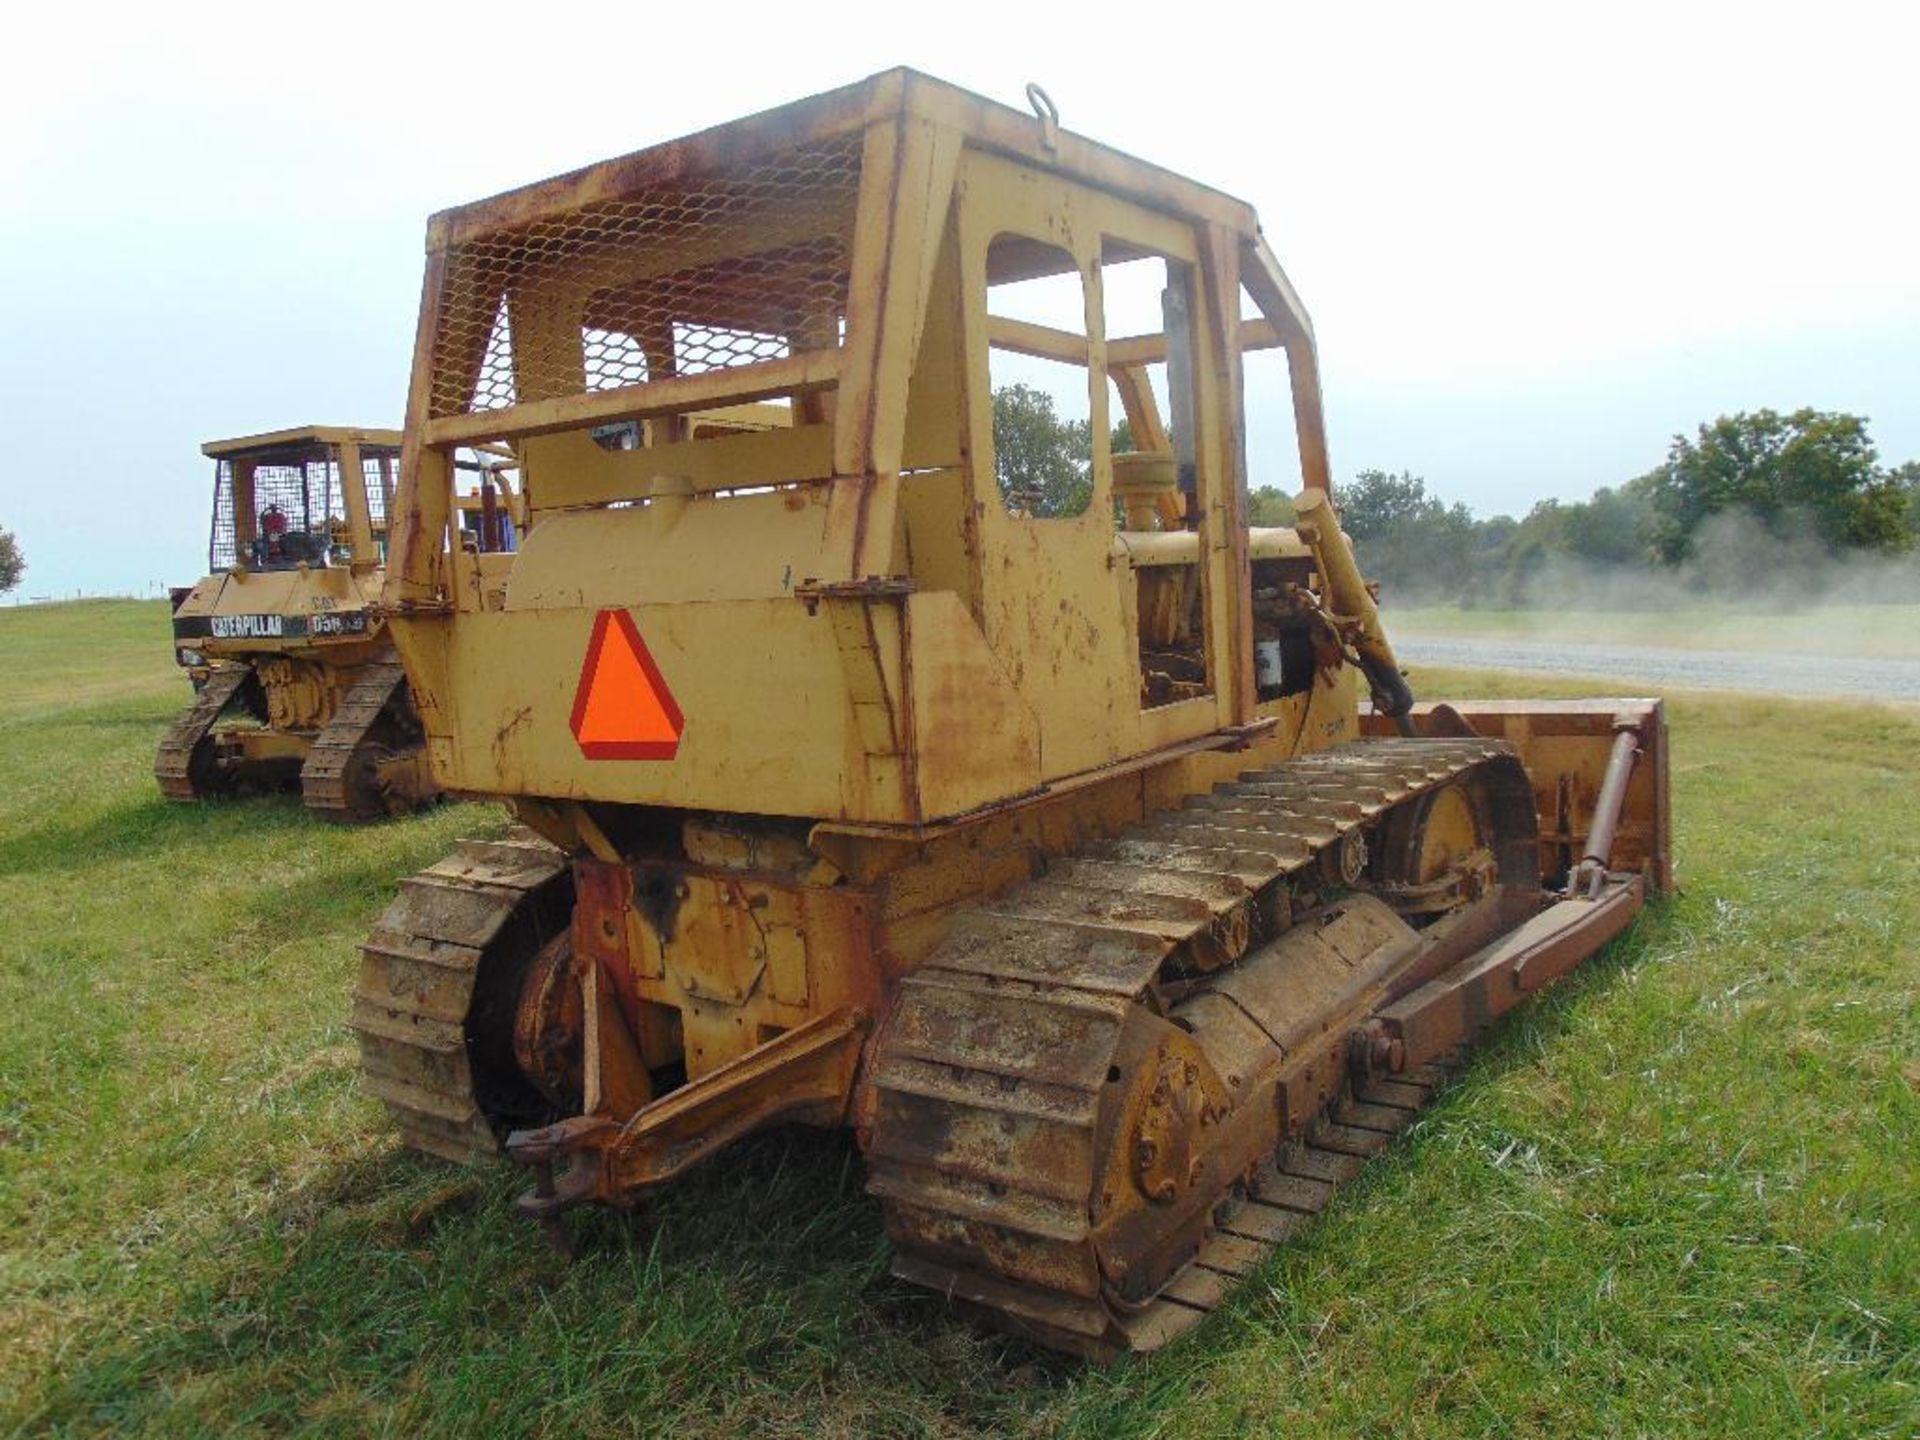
[(1758, 503), (1754, 503)]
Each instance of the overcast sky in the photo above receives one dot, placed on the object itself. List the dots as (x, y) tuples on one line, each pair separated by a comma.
[(1536, 241)]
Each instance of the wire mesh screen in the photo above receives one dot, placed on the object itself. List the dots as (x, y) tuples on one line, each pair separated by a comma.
[(293, 514), (379, 474), (222, 548), (717, 272)]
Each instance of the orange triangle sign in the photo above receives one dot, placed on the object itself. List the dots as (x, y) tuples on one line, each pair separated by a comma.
[(623, 709)]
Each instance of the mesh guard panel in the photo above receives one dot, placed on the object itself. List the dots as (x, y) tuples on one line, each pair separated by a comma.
[(377, 469), (718, 272), (298, 513), (222, 546)]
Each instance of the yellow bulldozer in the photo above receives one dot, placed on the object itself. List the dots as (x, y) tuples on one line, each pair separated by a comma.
[(295, 682), (880, 762)]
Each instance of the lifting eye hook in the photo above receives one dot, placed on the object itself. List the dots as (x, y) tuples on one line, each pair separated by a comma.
[(1049, 114)]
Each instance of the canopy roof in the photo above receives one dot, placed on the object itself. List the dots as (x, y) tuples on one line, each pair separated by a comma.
[(301, 437), (900, 92)]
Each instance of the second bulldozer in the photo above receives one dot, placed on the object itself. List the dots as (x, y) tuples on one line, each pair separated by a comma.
[(295, 681), (915, 758)]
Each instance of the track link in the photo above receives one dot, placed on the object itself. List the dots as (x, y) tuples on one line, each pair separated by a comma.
[(419, 970), (983, 1151), (186, 767), (1290, 1190), (338, 778)]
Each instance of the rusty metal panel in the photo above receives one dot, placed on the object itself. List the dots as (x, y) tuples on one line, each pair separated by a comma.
[(1058, 1037), (787, 962), (736, 753), (975, 739)]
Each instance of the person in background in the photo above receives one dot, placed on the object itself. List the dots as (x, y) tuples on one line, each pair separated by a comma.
[(273, 529)]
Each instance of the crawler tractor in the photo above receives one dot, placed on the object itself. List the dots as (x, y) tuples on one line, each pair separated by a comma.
[(1006, 799), (295, 681)]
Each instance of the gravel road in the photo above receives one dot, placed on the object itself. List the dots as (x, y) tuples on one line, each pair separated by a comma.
[(1654, 667)]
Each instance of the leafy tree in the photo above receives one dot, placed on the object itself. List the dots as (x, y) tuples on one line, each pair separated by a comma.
[(1411, 542), (12, 563), (1269, 505), (1376, 505), (1523, 569), (1811, 468), (1044, 464), (1614, 528), (1907, 478), (1491, 540)]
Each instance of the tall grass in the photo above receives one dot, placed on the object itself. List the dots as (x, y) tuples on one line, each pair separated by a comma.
[(1678, 1195)]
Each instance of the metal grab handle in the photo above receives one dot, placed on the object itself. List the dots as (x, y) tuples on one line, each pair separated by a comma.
[(1049, 114)]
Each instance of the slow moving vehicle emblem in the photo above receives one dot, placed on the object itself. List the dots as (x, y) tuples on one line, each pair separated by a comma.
[(623, 709)]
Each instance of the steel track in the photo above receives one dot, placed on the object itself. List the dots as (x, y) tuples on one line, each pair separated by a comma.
[(184, 765), (338, 778), (983, 1150), (1064, 955), (416, 991)]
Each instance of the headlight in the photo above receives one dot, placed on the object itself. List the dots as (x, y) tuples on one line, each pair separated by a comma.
[(191, 657)]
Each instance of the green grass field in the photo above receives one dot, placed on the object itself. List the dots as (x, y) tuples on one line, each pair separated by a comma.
[(1679, 1195)]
